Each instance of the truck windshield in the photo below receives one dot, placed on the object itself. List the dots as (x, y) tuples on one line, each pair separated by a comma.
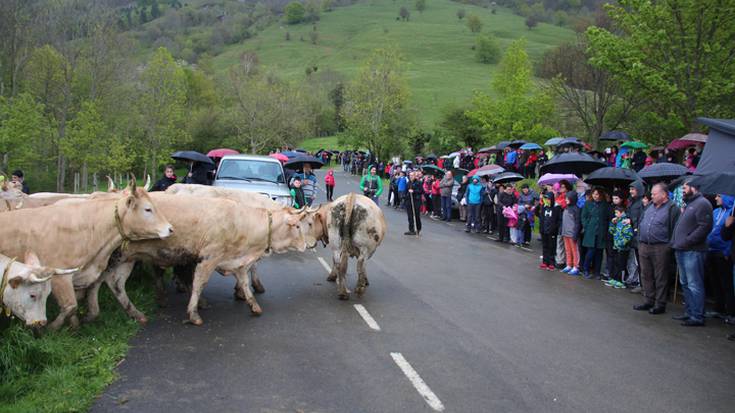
[(248, 169)]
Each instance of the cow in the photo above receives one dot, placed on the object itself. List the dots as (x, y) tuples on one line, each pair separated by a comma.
[(355, 228), (214, 234), (82, 235), (25, 287), (251, 199)]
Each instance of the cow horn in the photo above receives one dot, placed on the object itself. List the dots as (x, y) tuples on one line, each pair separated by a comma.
[(147, 186), (110, 184), (35, 279), (65, 272), (19, 205), (310, 209)]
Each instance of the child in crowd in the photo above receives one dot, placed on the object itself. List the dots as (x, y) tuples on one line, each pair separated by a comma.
[(570, 229), (622, 233), (549, 219), (329, 184), (521, 225), (297, 193)]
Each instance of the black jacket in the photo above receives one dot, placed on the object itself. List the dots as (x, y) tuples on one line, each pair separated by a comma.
[(418, 190), (693, 226), (506, 200), (163, 184), (635, 211), (549, 218), (728, 234), (461, 190)]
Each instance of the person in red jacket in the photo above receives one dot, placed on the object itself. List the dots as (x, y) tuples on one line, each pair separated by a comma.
[(329, 184)]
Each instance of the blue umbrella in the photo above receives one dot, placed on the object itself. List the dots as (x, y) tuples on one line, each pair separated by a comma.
[(531, 146), (553, 141)]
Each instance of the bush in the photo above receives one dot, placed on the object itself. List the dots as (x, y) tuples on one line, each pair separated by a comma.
[(474, 23), (487, 50), (531, 22), (294, 12), (460, 14), (404, 14)]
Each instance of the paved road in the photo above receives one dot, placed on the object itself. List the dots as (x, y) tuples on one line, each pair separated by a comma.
[(479, 327)]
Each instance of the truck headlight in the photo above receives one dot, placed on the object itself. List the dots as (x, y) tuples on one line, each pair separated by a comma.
[(284, 200)]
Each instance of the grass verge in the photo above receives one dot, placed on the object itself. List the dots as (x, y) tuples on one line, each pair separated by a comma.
[(65, 371)]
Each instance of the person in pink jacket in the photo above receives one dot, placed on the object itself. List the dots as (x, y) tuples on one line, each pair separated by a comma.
[(329, 184)]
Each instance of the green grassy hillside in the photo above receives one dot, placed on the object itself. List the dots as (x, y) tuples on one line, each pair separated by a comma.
[(441, 64)]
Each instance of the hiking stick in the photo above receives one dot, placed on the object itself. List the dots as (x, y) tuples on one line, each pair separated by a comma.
[(413, 215)]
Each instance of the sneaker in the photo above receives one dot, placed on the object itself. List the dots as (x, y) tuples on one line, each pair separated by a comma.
[(609, 283), (566, 269), (551, 268), (619, 285), (574, 271), (635, 290), (543, 266), (409, 233), (590, 276)]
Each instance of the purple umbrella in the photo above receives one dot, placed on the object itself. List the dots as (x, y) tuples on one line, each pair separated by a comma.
[(551, 179)]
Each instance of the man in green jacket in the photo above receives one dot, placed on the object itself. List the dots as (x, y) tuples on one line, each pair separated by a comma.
[(371, 185)]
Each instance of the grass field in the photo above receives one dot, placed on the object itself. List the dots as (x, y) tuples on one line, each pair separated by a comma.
[(64, 371), (441, 66)]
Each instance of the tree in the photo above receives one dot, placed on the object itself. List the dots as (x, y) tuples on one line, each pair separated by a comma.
[(421, 5), (460, 14), (294, 12), (474, 23), (312, 9), (520, 110), (86, 144), (457, 124), (162, 108), (531, 22), (587, 92), (24, 132), (376, 108), (487, 49), (679, 55), (155, 10), (404, 14)]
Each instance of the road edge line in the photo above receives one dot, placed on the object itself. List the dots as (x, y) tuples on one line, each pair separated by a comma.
[(431, 399), (369, 320)]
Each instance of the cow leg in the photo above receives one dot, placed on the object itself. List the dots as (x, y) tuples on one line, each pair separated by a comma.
[(255, 280), (362, 281), (243, 280), (159, 280), (202, 273), (93, 303), (63, 291), (116, 280), (335, 264), (342, 292)]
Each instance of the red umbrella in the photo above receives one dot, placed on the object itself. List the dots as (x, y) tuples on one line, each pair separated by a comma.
[(281, 157), (690, 139), (219, 153)]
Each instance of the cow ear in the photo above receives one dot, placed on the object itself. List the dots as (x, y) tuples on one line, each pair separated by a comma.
[(32, 260), (15, 282)]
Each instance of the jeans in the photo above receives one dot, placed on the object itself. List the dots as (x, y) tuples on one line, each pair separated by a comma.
[(474, 212), (691, 277), (447, 208), (592, 260)]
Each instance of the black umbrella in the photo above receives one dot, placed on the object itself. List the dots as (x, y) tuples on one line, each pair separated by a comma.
[(615, 135), (517, 144), (433, 170), (191, 156), (502, 145), (716, 183), (507, 177), (299, 162), (664, 171), (302, 150), (431, 156), (570, 142), (577, 163), (612, 177)]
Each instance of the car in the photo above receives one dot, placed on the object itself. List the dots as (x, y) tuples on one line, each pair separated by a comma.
[(254, 173)]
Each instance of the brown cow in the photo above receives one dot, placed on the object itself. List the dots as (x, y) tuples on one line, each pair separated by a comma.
[(83, 236), (215, 234)]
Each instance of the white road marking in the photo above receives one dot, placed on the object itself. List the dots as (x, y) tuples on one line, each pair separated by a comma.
[(418, 382), (367, 317), (324, 264)]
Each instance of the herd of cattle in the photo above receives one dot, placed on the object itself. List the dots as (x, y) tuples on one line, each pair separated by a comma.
[(71, 244)]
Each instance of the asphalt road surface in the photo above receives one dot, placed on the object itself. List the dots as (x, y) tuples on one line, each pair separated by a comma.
[(452, 322)]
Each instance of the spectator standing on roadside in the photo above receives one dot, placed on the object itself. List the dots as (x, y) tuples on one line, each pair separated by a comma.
[(168, 179), (506, 199), (728, 234), (528, 198), (689, 242), (371, 185), (308, 183), (570, 230), (460, 195), (719, 265), (621, 233), (549, 221), (436, 198), (413, 202), (654, 235), (562, 187), (635, 213), (473, 198), (18, 178), (297, 193), (329, 183), (595, 219), (445, 186)]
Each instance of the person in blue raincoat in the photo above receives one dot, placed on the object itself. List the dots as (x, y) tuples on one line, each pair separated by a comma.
[(718, 264)]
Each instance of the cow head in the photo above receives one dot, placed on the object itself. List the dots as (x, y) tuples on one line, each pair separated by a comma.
[(292, 231), (27, 289), (320, 228), (138, 216)]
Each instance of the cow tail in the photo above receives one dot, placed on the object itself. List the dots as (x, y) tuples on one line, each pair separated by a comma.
[(349, 206)]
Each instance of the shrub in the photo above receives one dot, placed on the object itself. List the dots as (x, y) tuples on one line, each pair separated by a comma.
[(474, 23), (460, 14), (294, 12), (487, 50)]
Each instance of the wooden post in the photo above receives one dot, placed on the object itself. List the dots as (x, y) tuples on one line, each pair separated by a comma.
[(94, 182), (76, 182)]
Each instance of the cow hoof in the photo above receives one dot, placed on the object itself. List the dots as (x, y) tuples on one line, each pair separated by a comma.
[(258, 288), (89, 318), (195, 320), (343, 296), (360, 291), (256, 310), (332, 279)]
